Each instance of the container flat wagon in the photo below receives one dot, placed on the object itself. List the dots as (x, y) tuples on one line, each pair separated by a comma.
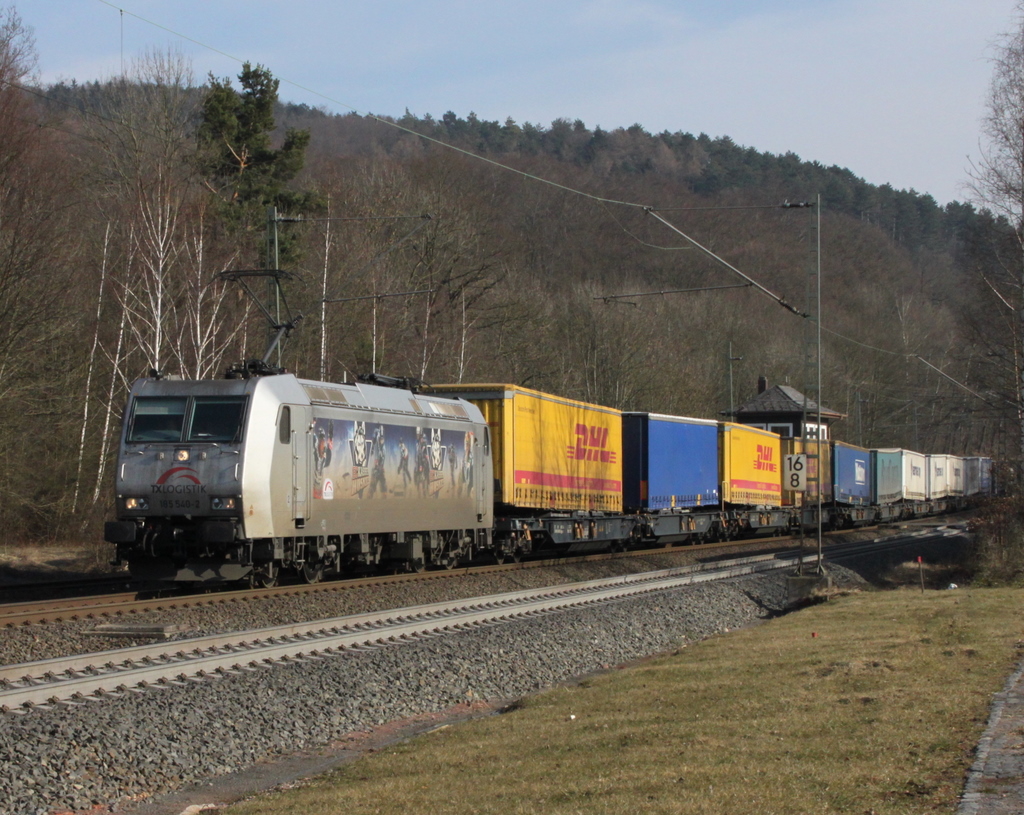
[(750, 464), (557, 470), (887, 483), (937, 478), (819, 478), (852, 485), (671, 479)]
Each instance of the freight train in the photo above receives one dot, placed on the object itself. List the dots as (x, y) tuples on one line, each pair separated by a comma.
[(243, 479)]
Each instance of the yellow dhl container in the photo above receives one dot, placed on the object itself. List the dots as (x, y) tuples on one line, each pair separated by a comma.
[(791, 446), (750, 463), (549, 452)]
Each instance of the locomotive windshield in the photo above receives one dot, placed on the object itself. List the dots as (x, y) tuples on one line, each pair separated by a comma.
[(217, 419), (158, 418), (169, 418)]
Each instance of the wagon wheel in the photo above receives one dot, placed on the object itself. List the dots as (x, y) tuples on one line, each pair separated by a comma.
[(450, 562), (265, 575), (312, 572)]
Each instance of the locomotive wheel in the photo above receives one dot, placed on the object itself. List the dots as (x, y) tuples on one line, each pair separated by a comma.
[(312, 572), (265, 575), (450, 562)]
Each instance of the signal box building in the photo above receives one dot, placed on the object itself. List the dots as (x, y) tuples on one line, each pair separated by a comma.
[(781, 410)]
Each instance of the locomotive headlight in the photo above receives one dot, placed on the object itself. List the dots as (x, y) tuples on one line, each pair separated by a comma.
[(222, 503), (181, 455), (136, 503)]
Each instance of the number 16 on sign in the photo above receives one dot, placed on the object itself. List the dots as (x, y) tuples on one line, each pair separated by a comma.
[(794, 472)]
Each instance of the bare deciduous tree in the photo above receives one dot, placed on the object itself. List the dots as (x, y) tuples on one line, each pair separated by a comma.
[(997, 182)]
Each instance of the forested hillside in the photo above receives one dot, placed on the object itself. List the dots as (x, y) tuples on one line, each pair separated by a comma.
[(121, 202)]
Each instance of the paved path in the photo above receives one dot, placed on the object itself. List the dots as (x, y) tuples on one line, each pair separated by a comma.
[(995, 784)]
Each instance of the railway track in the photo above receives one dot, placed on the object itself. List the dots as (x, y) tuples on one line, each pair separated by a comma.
[(128, 603), (139, 669), (121, 604)]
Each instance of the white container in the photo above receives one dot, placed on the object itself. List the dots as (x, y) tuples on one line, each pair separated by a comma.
[(938, 477)]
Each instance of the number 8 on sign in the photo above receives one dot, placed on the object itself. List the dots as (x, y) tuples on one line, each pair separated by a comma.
[(794, 472)]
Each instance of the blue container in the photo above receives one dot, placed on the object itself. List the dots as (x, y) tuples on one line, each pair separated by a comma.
[(851, 474), (887, 474), (668, 462)]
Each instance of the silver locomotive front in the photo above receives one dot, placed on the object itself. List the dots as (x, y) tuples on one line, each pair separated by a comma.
[(178, 487)]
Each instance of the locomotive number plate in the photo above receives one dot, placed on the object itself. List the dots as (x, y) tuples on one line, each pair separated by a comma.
[(179, 504)]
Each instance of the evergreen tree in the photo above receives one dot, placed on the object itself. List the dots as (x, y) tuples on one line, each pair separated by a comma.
[(240, 164)]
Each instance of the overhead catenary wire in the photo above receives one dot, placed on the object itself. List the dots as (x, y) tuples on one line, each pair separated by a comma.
[(610, 297), (750, 281), (951, 379), (425, 219), (378, 296), (540, 179)]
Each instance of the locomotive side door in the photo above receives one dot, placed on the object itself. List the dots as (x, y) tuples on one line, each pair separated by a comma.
[(302, 442)]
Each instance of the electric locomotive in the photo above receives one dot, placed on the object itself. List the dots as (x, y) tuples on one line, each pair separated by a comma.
[(240, 478)]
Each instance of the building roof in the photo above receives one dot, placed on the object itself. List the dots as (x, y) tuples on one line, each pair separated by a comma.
[(783, 399)]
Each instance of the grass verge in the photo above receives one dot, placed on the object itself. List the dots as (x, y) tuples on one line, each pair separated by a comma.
[(870, 703)]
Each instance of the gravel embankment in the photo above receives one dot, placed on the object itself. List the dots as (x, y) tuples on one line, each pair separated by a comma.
[(37, 642), (141, 744)]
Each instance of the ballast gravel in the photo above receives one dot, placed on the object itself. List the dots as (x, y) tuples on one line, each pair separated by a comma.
[(135, 745), (37, 642)]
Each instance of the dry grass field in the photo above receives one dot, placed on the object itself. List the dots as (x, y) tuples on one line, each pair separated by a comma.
[(870, 703), (46, 561)]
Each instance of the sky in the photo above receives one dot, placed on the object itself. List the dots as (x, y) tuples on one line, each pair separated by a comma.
[(893, 90)]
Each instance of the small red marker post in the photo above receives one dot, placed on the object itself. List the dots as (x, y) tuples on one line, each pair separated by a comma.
[(920, 569)]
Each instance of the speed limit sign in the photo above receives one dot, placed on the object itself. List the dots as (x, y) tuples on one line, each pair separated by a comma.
[(794, 472)]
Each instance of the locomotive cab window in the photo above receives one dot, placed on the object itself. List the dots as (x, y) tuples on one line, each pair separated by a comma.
[(217, 419), (284, 429), (158, 418)]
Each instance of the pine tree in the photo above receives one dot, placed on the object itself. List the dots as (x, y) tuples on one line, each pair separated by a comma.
[(238, 161)]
